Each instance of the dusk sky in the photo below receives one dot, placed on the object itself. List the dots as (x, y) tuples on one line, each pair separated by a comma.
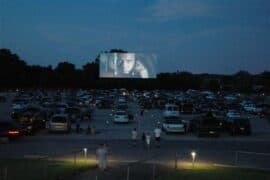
[(200, 36)]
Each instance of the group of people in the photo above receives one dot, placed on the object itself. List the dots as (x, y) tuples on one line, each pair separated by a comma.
[(146, 137), (102, 151)]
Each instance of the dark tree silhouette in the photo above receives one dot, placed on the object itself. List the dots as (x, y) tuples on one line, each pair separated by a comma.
[(15, 73)]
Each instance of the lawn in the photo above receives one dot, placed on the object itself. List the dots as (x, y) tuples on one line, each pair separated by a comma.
[(29, 169), (214, 173)]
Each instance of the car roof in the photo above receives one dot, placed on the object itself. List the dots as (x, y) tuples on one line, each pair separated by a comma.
[(60, 115)]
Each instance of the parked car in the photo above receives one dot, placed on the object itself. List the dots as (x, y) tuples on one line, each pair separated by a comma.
[(187, 108), (104, 104), (239, 126), (251, 108), (233, 114), (121, 117), (171, 110), (207, 125), (3, 98), (59, 123), (174, 125), (73, 113), (10, 130)]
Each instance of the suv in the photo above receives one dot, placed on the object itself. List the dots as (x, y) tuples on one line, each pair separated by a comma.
[(239, 126), (171, 110), (207, 125)]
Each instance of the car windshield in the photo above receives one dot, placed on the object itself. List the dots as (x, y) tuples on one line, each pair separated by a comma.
[(73, 110), (210, 121), (241, 121), (120, 113), (173, 120), (172, 108), (59, 119), (122, 107)]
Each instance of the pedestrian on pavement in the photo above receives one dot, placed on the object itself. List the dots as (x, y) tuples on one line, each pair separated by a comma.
[(142, 111), (134, 136), (93, 130), (101, 154), (143, 139), (157, 133), (147, 140)]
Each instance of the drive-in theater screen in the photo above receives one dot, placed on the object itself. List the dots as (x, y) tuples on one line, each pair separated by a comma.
[(127, 65)]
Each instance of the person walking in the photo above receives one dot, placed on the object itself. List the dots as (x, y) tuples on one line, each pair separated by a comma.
[(134, 136), (101, 154), (142, 111), (157, 133), (143, 139), (78, 125), (148, 140)]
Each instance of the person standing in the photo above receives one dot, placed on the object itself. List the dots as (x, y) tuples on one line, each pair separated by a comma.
[(134, 136), (157, 133), (101, 154)]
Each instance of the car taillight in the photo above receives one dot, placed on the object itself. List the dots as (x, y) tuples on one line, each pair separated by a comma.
[(13, 132)]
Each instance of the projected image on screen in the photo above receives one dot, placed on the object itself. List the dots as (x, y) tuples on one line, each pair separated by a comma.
[(127, 65)]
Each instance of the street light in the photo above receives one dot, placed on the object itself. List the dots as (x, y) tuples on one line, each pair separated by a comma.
[(85, 152), (193, 155)]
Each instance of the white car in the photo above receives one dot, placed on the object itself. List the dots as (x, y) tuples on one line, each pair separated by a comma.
[(120, 117), (174, 125), (252, 108), (233, 114), (171, 110), (59, 123)]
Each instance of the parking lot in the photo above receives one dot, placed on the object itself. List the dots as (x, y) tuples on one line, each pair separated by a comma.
[(102, 119)]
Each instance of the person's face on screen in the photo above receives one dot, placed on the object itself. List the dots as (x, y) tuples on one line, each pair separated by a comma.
[(128, 61)]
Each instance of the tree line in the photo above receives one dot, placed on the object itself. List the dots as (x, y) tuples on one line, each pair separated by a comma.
[(16, 73)]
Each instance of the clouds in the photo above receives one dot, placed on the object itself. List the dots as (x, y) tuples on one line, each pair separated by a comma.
[(194, 35), (175, 9), (168, 10), (171, 10)]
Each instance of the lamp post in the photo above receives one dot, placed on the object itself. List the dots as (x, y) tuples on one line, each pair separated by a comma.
[(107, 129), (193, 155), (85, 153)]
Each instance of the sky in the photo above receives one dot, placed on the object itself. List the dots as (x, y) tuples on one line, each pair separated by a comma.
[(200, 36)]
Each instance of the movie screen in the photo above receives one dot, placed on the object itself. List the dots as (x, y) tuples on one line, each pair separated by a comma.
[(127, 65)]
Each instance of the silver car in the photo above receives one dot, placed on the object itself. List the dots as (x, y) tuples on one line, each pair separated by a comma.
[(59, 123)]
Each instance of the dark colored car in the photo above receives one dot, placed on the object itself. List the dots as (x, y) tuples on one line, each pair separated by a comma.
[(239, 126), (10, 130), (187, 108), (73, 113), (104, 104), (3, 98), (32, 121), (206, 126)]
